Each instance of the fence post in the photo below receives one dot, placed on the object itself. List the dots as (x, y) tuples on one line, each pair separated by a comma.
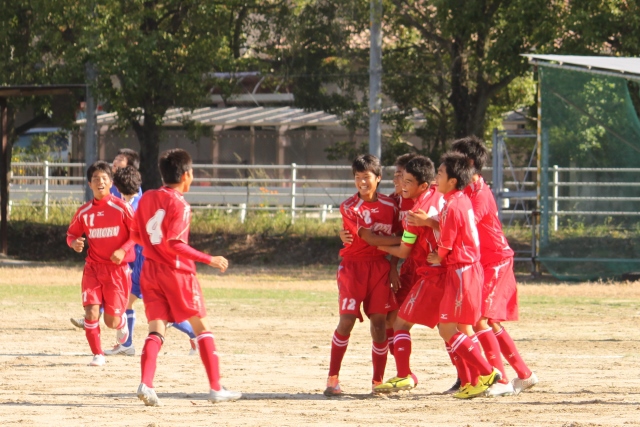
[(554, 209), (293, 192), (46, 190), (535, 216), (243, 212), (323, 214)]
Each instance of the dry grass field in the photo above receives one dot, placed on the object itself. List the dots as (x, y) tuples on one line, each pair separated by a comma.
[(273, 330)]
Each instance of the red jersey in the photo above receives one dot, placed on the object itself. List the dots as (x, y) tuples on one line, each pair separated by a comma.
[(106, 224), (493, 245), (381, 217), (164, 215), (458, 232), (426, 239), (403, 203)]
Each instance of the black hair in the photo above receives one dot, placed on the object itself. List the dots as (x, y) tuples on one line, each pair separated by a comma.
[(133, 159), (458, 167), (367, 163), (422, 169), (173, 164), (474, 149), (401, 161), (127, 180), (101, 166)]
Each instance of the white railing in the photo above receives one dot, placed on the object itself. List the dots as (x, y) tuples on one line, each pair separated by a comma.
[(294, 189)]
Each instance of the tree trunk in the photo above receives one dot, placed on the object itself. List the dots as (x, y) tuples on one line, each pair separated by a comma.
[(148, 134)]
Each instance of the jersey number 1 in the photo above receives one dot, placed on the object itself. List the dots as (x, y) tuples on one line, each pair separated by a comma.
[(154, 227), (88, 219)]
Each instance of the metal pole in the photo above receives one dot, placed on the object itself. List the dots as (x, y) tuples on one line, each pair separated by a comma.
[(555, 198), (375, 79), (539, 146), (534, 243), (5, 172), (46, 190), (293, 192), (243, 212), (90, 128)]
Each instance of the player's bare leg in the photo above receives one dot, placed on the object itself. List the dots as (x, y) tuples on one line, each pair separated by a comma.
[(379, 347), (339, 345), (209, 356), (148, 362), (526, 377)]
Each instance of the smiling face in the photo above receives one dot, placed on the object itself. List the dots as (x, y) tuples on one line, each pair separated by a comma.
[(100, 184), (411, 189), (444, 183), (397, 179), (366, 183)]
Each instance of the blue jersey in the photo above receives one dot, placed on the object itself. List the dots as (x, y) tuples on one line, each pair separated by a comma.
[(117, 194)]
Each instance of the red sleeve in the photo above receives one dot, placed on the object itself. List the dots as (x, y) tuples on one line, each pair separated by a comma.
[(75, 229), (127, 219), (480, 207), (349, 221), (135, 236), (448, 228), (182, 249), (177, 220)]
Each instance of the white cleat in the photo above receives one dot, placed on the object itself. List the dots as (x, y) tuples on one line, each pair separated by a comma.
[(121, 349), (98, 360), (148, 395), (223, 395), (78, 322), (500, 389), (122, 334), (194, 347), (520, 385)]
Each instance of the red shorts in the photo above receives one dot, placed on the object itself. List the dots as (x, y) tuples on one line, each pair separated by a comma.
[(408, 277), (500, 292), (423, 303), (170, 294), (462, 299), (365, 282), (107, 285)]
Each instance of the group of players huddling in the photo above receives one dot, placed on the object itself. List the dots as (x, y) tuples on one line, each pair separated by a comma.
[(457, 274)]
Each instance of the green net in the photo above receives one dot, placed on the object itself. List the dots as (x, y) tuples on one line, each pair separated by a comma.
[(590, 182)]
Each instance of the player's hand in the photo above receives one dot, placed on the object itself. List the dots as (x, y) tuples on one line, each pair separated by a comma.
[(395, 280), (433, 258), (417, 219), (220, 263), (78, 244), (118, 255), (346, 237)]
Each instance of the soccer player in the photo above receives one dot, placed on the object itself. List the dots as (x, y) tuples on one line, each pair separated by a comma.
[(421, 305), (363, 274), (168, 280), (459, 249), (125, 157), (127, 180), (500, 294), (106, 279)]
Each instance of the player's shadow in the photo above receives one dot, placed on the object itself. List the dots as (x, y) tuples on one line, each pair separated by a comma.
[(270, 396)]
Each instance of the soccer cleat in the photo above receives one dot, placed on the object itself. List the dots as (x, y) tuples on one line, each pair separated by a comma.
[(98, 360), (500, 389), (396, 384), (470, 391), (375, 384), (454, 388), (122, 335), (490, 379), (194, 347), (223, 395), (333, 387), (415, 379), (78, 322), (522, 385), (148, 395), (121, 349)]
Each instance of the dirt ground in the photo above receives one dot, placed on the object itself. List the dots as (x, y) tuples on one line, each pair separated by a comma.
[(581, 340)]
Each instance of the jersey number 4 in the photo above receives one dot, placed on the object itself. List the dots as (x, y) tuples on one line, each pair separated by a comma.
[(154, 227)]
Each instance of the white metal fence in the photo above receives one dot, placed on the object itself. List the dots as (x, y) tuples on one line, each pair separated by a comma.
[(319, 190)]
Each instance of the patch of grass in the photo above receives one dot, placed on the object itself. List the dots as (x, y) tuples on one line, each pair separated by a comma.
[(39, 294), (271, 295)]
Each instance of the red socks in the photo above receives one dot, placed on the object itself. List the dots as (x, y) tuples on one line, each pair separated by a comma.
[(338, 349), (470, 353), (461, 367), (492, 351), (207, 348), (92, 332), (510, 352), (379, 351), (390, 339), (402, 344), (150, 351)]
